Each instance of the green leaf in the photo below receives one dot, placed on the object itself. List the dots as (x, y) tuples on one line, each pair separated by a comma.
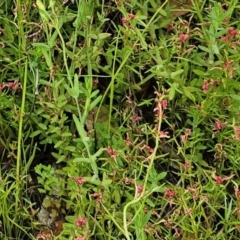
[(60, 158), (161, 176), (171, 94), (204, 49), (94, 93), (84, 90), (106, 182), (47, 202), (58, 144), (80, 127), (94, 103), (35, 133), (8, 31), (146, 218), (150, 202), (236, 97), (41, 46), (42, 126), (104, 35), (173, 89), (173, 75), (215, 49), (81, 160), (188, 93), (42, 10), (142, 39), (40, 5), (71, 91), (93, 36), (117, 196), (199, 72), (55, 129), (76, 86), (70, 148), (66, 134)]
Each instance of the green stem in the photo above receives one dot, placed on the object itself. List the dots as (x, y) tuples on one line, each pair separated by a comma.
[(143, 193), (20, 127)]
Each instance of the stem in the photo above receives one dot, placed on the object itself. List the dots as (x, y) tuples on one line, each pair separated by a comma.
[(20, 127), (143, 193), (21, 48)]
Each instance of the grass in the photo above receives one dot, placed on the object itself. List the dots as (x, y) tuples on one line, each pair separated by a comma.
[(119, 120)]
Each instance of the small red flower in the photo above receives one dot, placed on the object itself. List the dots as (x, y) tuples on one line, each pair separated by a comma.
[(218, 125), (227, 65), (219, 180), (13, 85), (78, 180), (124, 20), (80, 238), (224, 38), (170, 26), (81, 221), (237, 192), (186, 165), (232, 32), (139, 189), (111, 152), (131, 16), (148, 148), (188, 131), (205, 86), (183, 37), (127, 141), (237, 130), (130, 101), (135, 118), (164, 135), (169, 193), (164, 103), (96, 195)]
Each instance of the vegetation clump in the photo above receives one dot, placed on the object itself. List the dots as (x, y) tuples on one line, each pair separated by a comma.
[(119, 119)]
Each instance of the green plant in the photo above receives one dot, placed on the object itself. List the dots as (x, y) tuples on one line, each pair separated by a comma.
[(126, 114)]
